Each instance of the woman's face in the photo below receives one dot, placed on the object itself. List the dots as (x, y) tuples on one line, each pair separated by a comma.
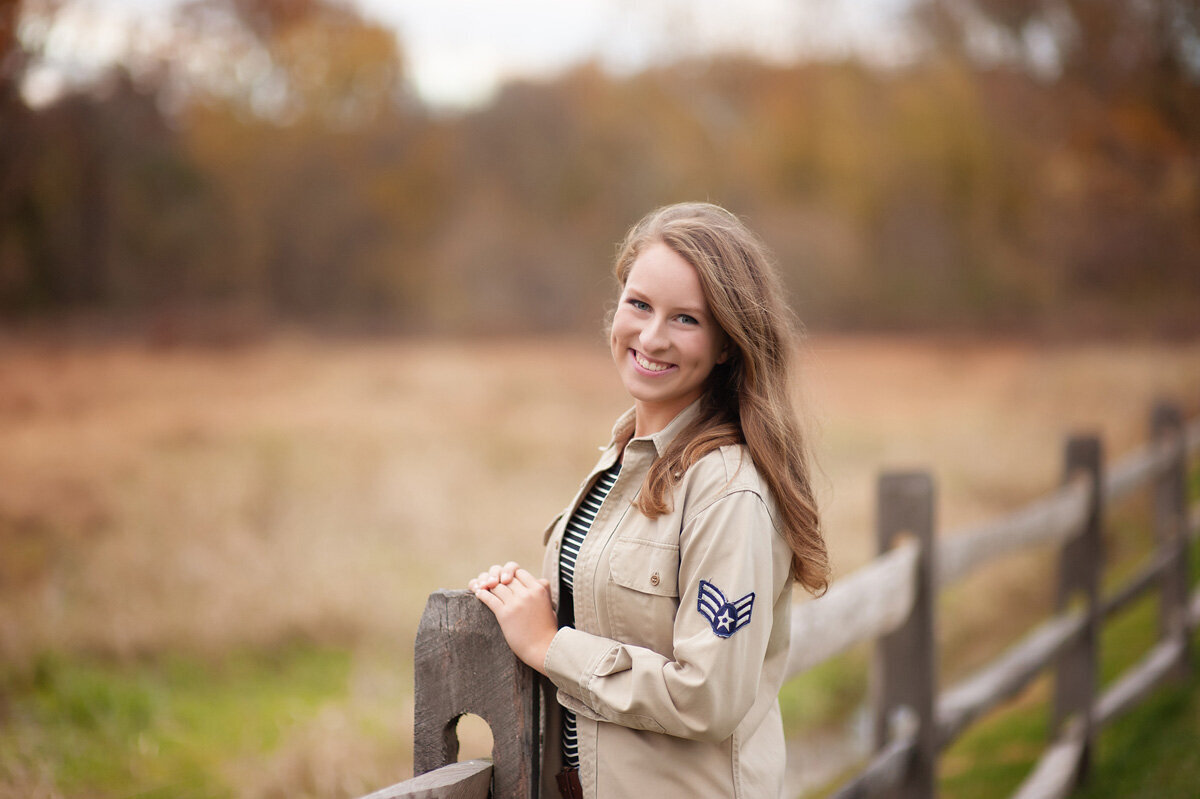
[(664, 339)]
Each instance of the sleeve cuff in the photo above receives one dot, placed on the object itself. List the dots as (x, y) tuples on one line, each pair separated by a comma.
[(572, 660)]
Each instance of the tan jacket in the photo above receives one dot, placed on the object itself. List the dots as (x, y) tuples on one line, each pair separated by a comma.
[(682, 627)]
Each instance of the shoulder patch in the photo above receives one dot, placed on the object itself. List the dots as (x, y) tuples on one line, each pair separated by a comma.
[(725, 617)]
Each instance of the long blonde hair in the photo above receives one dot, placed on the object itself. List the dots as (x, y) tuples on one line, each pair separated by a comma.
[(748, 397)]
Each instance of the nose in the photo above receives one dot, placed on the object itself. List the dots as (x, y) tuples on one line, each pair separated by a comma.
[(653, 336)]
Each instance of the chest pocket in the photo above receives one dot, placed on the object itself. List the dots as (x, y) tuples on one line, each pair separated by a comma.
[(648, 567)]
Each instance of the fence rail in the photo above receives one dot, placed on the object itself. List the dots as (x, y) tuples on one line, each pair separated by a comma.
[(892, 601), (1050, 520), (1005, 677), (872, 601)]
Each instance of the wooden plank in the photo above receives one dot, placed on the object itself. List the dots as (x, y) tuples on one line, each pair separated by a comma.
[(1135, 470), (1055, 775), (1193, 438), (905, 660), (1138, 681), (470, 779), (1076, 665), (1145, 578), (1170, 521), (1194, 522), (1194, 613), (1004, 676), (1050, 520), (861, 606), (461, 664)]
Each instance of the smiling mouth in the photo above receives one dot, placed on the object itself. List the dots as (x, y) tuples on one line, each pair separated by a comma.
[(649, 365)]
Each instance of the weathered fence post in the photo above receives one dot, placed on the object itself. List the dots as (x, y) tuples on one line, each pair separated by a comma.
[(905, 662), (1170, 531), (1079, 578), (462, 665)]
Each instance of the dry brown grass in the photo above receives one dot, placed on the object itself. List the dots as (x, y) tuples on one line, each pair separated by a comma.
[(152, 500), (201, 500)]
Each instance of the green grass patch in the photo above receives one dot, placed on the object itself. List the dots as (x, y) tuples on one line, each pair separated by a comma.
[(1149, 752), (160, 728), (1127, 637), (825, 694), (992, 757), (1152, 750)]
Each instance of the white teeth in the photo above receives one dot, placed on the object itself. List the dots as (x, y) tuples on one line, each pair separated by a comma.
[(653, 367)]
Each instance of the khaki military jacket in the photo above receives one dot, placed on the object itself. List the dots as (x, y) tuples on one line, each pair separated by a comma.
[(682, 627)]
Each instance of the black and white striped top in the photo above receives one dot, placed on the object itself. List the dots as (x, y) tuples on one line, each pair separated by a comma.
[(577, 528)]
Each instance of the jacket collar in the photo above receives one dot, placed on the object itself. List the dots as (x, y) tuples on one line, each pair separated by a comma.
[(663, 438)]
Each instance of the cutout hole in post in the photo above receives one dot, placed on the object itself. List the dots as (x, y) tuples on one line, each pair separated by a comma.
[(474, 738)]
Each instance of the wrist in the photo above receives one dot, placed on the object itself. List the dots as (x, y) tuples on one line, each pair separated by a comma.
[(535, 654)]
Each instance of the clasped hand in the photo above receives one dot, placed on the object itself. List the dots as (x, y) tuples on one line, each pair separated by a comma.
[(522, 606)]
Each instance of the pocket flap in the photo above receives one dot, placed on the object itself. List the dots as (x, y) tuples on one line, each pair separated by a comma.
[(646, 566)]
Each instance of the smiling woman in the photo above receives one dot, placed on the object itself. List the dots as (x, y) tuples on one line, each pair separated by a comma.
[(661, 622), (664, 340)]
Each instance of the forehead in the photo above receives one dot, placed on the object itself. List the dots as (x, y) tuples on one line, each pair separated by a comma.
[(661, 269)]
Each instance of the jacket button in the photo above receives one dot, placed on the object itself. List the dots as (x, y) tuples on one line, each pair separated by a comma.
[(654, 579)]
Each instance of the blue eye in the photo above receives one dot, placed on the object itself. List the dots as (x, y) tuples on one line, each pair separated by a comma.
[(638, 304), (688, 320)]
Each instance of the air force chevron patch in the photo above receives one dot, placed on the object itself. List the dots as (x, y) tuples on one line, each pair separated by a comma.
[(725, 617)]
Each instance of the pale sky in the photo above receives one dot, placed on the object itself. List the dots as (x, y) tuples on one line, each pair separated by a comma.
[(457, 52)]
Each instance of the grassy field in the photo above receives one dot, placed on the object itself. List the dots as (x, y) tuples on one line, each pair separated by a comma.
[(212, 561)]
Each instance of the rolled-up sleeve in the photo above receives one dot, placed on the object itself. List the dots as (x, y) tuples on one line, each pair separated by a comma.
[(731, 554)]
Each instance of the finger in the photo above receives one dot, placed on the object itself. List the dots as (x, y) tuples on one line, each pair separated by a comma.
[(487, 598), (508, 570), (526, 579), (502, 592), (545, 583)]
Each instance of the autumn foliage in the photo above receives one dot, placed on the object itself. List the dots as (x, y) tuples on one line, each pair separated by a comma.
[(299, 177)]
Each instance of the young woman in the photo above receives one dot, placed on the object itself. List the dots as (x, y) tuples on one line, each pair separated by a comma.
[(663, 626)]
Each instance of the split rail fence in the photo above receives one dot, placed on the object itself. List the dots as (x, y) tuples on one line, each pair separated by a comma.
[(463, 666)]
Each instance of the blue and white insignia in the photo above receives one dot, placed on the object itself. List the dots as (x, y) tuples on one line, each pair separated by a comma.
[(725, 617)]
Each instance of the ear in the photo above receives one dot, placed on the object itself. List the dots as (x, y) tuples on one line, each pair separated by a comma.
[(726, 351)]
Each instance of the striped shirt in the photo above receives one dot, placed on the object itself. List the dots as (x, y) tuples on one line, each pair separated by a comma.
[(577, 528)]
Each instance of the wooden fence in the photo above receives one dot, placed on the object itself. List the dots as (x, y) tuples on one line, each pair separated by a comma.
[(463, 666)]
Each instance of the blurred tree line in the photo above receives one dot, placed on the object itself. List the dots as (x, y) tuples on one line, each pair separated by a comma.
[(1034, 169)]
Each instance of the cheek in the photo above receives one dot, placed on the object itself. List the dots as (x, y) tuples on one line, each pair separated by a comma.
[(615, 336), (620, 327), (708, 349), (722, 347)]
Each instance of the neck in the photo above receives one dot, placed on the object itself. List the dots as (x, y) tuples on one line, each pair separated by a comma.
[(652, 418)]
